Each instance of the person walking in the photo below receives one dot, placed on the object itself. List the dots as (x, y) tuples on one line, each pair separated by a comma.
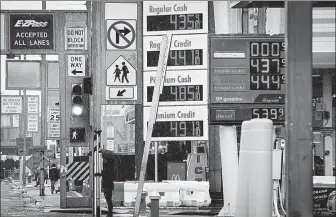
[(125, 72), (54, 176), (109, 176), (117, 73)]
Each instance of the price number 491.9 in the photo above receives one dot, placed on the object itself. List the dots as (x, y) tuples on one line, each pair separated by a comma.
[(180, 128)]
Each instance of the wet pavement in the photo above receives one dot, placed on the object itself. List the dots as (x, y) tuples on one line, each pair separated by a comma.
[(14, 203)]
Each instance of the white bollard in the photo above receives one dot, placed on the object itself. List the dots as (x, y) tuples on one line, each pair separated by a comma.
[(229, 157), (255, 185)]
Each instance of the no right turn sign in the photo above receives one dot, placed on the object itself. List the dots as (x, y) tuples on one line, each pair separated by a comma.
[(121, 34)]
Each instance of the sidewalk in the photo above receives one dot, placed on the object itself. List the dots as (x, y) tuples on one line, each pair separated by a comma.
[(51, 203)]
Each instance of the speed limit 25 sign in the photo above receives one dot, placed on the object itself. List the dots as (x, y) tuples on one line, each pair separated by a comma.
[(54, 114)]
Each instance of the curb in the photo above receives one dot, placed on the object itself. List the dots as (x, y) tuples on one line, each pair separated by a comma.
[(24, 193), (34, 200)]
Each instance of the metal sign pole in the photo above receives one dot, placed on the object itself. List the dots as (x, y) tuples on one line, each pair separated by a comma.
[(97, 175), (94, 178), (160, 74), (156, 161), (24, 136)]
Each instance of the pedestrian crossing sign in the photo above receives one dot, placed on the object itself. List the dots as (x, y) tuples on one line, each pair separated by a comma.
[(121, 72), (77, 134)]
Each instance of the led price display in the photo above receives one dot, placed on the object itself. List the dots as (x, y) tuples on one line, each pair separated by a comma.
[(175, 22), (266, 81), (247, 70), (237, 113), (266, 65), (177, 57), (178, 93), (178, 129), (275, 114)]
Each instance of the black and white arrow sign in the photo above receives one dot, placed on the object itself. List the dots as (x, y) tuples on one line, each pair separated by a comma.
[(76, 65), (76, 72), (119, 32), (121, 93)]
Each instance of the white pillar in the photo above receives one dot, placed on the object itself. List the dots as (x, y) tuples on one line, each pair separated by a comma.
[(227, 20), (255, 185), (229, 158), (328, 139)]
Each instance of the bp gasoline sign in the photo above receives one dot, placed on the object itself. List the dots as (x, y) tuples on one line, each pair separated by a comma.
[(31, 31)]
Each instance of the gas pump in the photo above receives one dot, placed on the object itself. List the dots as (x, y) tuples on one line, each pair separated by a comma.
[(197, 161)]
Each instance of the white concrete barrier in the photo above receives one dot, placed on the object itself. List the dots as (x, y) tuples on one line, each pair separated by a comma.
[(193, 193), (170, 195), (130, 193), (255, 185)]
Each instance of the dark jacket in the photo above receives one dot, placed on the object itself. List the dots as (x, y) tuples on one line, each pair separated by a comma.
[(110, 169), (54, 174)]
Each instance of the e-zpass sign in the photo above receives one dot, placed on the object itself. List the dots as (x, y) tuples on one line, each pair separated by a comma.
[(31, 31)]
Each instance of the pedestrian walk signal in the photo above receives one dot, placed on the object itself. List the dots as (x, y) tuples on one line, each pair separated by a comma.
[(77, 100), (77, 134)]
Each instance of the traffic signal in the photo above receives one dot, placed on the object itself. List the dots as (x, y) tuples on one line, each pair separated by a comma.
[(77, 100), (78, 112)]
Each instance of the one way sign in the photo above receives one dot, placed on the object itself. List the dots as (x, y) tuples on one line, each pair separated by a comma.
[(76, 65)]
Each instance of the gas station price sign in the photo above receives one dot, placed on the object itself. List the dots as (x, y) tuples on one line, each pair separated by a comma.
[(237, 113), (188, 87), (178, 123), (247, 70), (175, 16), (186, 52)]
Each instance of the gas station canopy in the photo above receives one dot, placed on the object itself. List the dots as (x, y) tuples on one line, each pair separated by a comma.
[(276, 4)]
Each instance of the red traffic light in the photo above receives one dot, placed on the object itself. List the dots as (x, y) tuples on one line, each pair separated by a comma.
[(77, 89)]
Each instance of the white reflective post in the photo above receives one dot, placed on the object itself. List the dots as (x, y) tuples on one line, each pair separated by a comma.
[(229, 156), (160, 74), (255, 185)]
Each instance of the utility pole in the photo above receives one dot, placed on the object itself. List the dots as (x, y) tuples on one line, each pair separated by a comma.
[(96, 15), (43, 103), (160, 75), (298, 107), (43, 116)]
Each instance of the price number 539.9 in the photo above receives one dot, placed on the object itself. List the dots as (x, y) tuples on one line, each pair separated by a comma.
[(269, 113)]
